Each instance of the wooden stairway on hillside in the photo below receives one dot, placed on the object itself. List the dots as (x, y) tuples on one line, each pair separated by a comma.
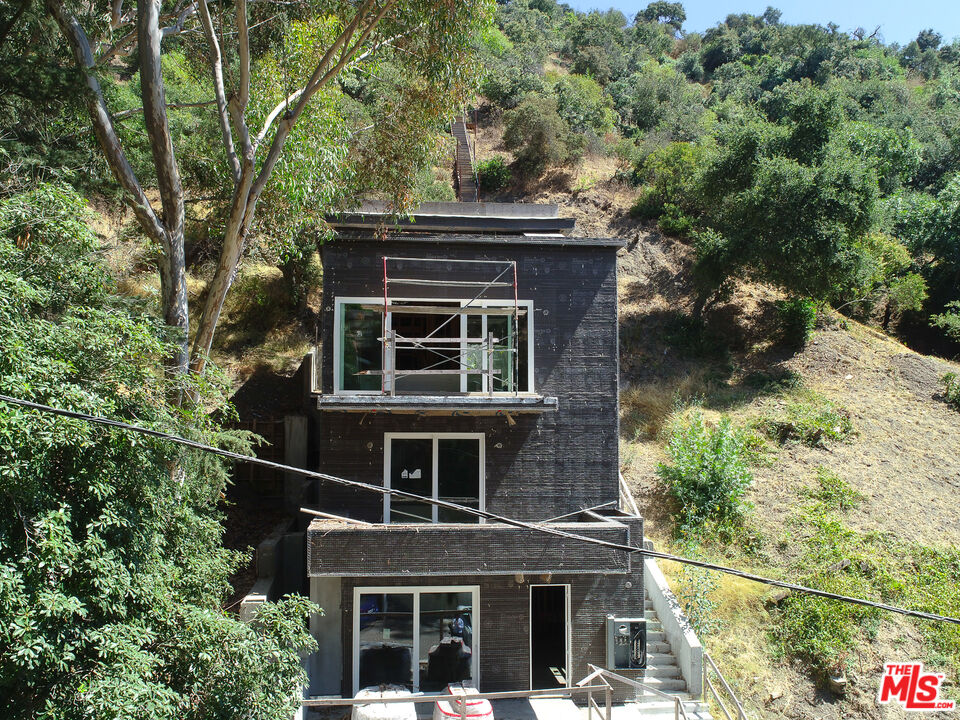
[(464, 175)]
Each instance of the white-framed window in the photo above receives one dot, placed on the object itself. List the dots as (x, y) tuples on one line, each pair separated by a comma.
[(442, 466), (421, 637), (360, 359)]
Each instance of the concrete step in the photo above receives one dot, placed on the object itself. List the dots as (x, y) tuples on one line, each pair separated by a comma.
[(658, 647), (665, 710), (662, 671), (665, 684), (656, 636), (661, 659), (649, 697)]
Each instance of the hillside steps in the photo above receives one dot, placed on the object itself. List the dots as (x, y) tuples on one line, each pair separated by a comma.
[(464, 174), (663, 674)]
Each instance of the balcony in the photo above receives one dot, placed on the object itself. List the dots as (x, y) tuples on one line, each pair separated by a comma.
[(343, 549)]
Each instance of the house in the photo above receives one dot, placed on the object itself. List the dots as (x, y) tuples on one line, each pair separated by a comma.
[(469, 355)]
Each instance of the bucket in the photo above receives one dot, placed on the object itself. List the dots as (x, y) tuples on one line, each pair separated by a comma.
[(449, 708), (384, 711)]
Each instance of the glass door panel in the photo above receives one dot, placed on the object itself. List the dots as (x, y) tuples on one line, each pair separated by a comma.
[(458, 477), (360, 347), (411, 470), (446, 639), (501, 326), (386, 639)]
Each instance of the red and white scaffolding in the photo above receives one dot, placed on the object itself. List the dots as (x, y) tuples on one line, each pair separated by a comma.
[(467, 348)]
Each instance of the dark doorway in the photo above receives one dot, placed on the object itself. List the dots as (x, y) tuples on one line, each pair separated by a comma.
[(548, 636)]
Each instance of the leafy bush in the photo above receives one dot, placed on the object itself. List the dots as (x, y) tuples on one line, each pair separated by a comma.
[(949, 321), (708, 474), (583, 105), (647, 206), (494, 174), (674, 222), (811, 423), (951, 389), (540, 136), (696, 589), (112, 570), (797, 319)]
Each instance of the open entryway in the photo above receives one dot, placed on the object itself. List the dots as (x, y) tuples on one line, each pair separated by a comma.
[(549, 636)]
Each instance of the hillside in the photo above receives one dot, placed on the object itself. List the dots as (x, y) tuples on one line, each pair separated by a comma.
[(898, 462)]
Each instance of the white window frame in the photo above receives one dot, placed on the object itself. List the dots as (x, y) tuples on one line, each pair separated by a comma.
[(339, 302), (416, 591), (568, 630), (388, 439)]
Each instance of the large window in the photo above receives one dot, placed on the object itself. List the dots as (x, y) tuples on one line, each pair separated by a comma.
[(435, 352), (421, 638), (442, 466)]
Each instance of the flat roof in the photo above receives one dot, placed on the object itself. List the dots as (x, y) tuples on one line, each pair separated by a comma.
[(481, 239)]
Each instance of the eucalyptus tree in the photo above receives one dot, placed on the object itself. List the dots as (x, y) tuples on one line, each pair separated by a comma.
[(272, 76)]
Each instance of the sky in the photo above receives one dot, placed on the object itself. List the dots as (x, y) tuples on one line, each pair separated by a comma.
[(899, 20)]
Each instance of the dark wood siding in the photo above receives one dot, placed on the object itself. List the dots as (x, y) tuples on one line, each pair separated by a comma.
[(505, 621), (543, 466)]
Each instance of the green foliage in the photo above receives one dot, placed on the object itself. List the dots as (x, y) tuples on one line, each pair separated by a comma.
[(709, 473), (494, 174), (582, 104), (797, 318), (696, 589), (539, 136), (112, 572), (949, 321), (833, 492), (951, 389), (673, 221), (658, 98), (825, 634), (813, 423)]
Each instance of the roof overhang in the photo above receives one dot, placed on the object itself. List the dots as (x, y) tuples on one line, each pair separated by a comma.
[(463, 405)]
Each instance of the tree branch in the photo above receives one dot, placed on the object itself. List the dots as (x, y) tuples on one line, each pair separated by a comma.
[(102, 124), (216, 69), (153, 92), (177, 27), (21, 9)]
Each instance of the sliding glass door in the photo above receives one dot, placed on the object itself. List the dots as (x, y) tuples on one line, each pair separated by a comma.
[(420, 638)]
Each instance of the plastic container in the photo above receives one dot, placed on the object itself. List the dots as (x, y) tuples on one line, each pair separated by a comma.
[(449, 708), (384, 711)]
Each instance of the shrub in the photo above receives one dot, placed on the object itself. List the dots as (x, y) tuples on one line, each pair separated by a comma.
[(540, 136), (647, 206), (951, 389), (797, 319), (709, 474), (493, 173), (812, 424), (949, 321), (673, 221)]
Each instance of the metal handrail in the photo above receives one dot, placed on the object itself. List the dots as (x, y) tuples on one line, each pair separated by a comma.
[(587, 690), (731, 696), (602, 673)]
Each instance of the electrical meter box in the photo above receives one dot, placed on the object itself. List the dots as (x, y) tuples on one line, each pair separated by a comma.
[(626, 643)]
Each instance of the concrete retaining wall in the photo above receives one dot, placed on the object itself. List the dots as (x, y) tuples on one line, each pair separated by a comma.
[(683, 640)]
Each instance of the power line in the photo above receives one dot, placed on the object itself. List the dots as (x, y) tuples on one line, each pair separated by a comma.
[(536, 527)]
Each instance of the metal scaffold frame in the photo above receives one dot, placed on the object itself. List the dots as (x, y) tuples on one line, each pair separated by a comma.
[(485, 346)]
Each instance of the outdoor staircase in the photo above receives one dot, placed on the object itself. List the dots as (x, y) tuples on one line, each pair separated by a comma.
[(663, 674), (465, 178)]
